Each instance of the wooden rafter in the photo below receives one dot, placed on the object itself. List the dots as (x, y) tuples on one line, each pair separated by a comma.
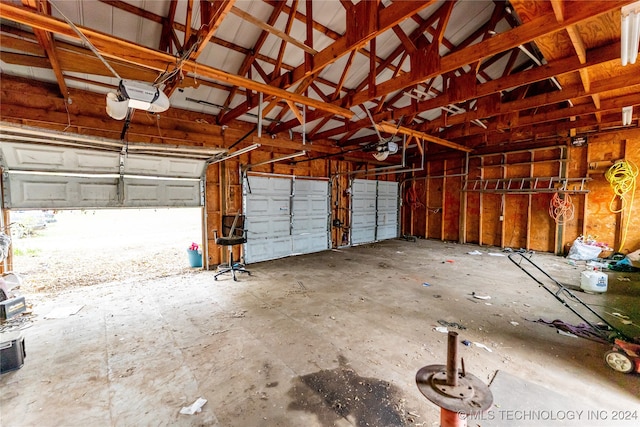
[(272, 30), (393, 129), (387, 18), (48, 44), (499, 43), (251, 56), (142, 56)]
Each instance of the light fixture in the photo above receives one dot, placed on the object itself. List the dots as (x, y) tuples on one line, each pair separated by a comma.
[(478, 122), (630, 33), (234, 154), (627, 115)]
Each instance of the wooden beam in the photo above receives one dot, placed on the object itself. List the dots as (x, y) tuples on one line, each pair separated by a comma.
[(578, 43), (250, 57), (393, 129), (295, 111), (558, 9), (387, 18), (408, 44), (597, 56), (48, 44), (113, 47), (220, 8), (500, 42), (271, 29), (187, 21)]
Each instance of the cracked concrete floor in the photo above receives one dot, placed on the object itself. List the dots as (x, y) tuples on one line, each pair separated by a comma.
[(327, 339)]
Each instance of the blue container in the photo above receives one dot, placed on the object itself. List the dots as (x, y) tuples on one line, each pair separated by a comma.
[(195, 258)]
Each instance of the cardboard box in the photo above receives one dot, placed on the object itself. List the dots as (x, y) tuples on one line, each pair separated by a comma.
[(12, 307)]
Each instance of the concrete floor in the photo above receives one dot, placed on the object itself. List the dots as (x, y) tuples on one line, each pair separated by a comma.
[(328, 339)]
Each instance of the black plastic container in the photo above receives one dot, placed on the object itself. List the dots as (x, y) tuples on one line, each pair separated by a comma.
[(12, 352)]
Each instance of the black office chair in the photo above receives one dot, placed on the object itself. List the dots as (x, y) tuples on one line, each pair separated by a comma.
[(233, 233)]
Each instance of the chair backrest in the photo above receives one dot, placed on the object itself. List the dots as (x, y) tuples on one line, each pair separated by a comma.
[(233, 226)]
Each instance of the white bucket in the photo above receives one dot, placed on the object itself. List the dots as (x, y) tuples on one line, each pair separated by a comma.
[(593, 281)]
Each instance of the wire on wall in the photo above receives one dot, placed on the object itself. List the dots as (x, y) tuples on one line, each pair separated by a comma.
[(561, 209), (622, 177)]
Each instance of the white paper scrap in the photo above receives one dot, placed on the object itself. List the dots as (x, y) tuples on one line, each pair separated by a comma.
[(63, 312), (478, 344), (442, 329), (481, 296), (194, 408), (475, 253), (495, 254)]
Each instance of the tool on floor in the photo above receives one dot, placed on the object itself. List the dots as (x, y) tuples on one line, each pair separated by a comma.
[(457, 392), (625, 355)]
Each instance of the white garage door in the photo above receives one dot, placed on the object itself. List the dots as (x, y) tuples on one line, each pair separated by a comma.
[(309, 216), (387, 215), (363, 211), (284, 216), (374, 210), (64, 171)]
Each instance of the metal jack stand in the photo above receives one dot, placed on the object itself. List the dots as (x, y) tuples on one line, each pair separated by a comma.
[(457, 393)]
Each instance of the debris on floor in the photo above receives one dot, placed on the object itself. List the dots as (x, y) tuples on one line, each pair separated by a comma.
[(194, 408), (474, 253), (63, 312), (582, 330), (451, 324), (480, 296), (479, 344)]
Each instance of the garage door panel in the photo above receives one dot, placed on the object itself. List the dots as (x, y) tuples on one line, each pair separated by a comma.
[(317, 224), (162, 193), (309, 187), (257, 250), (363, 235), (32, 157), (52, 192), (268, 186), (265, 227), (374, 213), (148, 165), (306, 206), (310, 242), (260, 205)]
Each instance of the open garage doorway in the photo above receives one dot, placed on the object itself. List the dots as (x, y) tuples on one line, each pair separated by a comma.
[(89, 247)]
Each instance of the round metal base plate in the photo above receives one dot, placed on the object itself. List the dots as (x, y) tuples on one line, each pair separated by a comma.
[(470, 396)]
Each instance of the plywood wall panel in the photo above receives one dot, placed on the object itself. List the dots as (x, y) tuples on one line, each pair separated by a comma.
[(632, 242), (542, 229), (473, 218), (490, 217), (451, 207), (435, 200), (515, 220), (420, 210)]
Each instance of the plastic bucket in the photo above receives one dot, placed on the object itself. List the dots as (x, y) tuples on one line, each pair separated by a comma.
[(195, 258)]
